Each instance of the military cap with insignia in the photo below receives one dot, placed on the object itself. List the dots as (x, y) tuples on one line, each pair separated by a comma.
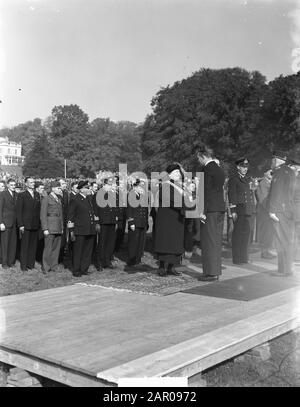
[(82, 184), (279, 154)]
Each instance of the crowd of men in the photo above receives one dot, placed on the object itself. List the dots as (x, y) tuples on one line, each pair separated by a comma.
[(57, 222)]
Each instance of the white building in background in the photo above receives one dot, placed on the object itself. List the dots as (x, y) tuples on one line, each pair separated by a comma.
[(10, 152)]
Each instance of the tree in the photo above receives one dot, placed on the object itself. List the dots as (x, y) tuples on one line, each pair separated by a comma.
[(26, 133), (130, 154), (281, 112), (41, 162), (220, 108), (70, 138)]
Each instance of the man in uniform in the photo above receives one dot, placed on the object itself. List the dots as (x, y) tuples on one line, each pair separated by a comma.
[(52, 223), (137, 215), (83, 224), (264, 223), (282, 212), (74, 190), (242, 207)]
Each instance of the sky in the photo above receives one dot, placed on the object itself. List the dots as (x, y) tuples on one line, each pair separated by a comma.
[(112, 56)]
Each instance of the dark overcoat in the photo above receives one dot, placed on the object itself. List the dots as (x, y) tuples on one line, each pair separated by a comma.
[(81, 213), (169, 223)]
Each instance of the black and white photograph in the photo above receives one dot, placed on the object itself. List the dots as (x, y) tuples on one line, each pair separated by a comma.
[(149, 196)]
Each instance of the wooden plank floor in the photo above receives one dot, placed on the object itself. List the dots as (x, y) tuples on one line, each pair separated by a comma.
[(89, 329)]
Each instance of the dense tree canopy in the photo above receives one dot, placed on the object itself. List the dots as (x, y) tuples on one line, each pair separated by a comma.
[(234, 111), (216, 107), (41, 162)]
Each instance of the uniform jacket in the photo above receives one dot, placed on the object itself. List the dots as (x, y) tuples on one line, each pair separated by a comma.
[(241, 197), (8, 214), (81, 212), (52, 215), (108, 215), (72, 196), (137, 215), (28, 210), (214, 179), (262, 192), (297, 198), (282, 192), (65, 203)]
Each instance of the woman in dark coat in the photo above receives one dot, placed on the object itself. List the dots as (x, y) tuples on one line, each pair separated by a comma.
[(169, 223)]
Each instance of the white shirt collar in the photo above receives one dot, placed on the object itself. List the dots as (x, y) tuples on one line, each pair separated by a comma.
[(82, 195), (209, 161)]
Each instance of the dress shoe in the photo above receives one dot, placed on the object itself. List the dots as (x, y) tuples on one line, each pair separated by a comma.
[(173, 271), (162, 272), (24, 269), (268, 255), (208, 278), (109, 266), (76, 275), (99, 268), (11, 265)]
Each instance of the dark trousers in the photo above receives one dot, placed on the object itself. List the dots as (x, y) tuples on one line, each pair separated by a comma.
[(211, 243), (28, 248), (106, 244), (40, 247), (188, 234), (284, 239), (265, 228), (51, 252), (297, 241), (120, 233), (136, 245), (9, 246), (82, 253), (241, 239)]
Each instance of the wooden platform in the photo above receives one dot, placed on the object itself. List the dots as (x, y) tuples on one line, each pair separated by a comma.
[(89, 336)]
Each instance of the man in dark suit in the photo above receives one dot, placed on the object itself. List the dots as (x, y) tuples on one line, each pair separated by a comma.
[(282, 212), (83, 224), (8, 219), (242, 207), (2, 188), (108, 216), (28, 219), (214, 209)]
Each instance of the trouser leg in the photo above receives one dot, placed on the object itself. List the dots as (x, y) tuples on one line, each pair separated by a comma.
[(87, 250), (77, 253), (240, 239), (211, 233), (48, 242)]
